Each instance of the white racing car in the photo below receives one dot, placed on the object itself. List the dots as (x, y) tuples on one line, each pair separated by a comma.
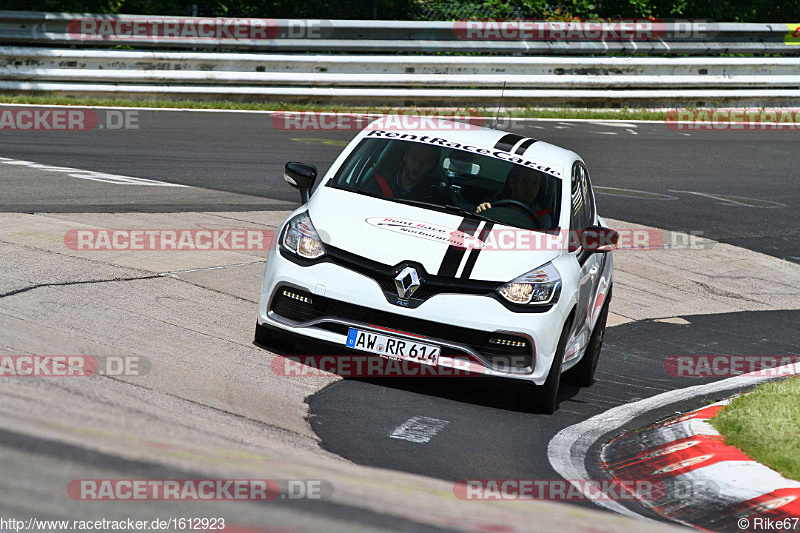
[(446, 246)]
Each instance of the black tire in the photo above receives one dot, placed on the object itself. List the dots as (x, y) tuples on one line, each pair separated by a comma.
[(543, 398), (582, 374), (272, 339)]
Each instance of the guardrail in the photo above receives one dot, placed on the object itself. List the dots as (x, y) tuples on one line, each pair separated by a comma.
[(697, 38), (382, 79)]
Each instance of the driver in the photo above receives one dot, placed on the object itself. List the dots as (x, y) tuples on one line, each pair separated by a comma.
[(415, 179), (522, 185)]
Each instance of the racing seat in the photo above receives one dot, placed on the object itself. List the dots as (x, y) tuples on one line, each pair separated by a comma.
[(376, 180)]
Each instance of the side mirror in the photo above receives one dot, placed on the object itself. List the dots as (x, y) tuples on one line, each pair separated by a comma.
[(598, 239), (300, 176)]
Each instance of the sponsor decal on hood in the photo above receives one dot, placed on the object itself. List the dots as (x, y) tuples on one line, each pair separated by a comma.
[(425, 230)]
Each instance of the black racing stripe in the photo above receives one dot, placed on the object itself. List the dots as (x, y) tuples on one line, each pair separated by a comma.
[(524, 146), (507, 142), (473, 255), (454, 254)]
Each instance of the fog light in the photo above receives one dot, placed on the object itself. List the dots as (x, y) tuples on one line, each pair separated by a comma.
[(298, 297), (508, 342)]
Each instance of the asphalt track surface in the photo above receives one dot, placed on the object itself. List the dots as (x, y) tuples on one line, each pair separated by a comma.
[(751, 175), (234, 161), (56, 464), (490, 436)]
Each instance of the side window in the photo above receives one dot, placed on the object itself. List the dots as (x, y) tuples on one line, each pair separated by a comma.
[(588, 197), (578, 211)]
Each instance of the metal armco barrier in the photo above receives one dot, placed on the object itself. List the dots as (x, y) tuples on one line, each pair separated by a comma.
[(683, 63)]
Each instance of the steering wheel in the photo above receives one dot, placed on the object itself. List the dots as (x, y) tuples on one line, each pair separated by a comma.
[(531, 212)]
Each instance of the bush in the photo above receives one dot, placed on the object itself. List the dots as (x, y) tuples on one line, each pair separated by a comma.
[(718, 10)]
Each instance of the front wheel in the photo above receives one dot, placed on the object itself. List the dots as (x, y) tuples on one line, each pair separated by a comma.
[(543, 398), (582, 374)]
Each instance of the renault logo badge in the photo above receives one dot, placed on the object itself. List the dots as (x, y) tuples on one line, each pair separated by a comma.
[(407, 282)]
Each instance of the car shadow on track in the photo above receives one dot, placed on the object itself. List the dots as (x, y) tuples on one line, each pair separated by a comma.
[(485, 391)]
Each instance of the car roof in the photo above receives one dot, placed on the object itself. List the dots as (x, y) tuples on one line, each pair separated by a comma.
[(469, 134)]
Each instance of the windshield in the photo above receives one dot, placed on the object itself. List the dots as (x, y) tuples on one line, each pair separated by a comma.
[(451, 179)]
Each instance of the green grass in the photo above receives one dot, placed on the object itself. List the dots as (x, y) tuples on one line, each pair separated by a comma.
[(526, 112), (765, 424)]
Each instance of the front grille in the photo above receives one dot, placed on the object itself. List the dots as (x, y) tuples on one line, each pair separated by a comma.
[(431, 285), (497, 356)]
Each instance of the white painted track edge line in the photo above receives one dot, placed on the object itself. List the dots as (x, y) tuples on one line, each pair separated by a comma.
[(270, 112), (288, 111)]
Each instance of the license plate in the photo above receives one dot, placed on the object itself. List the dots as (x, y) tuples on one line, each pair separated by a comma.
[(389, 346)]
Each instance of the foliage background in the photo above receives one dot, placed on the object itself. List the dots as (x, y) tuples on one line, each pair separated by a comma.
[(717, 10)]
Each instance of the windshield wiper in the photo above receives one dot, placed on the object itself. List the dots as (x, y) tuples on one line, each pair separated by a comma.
[(448, 207), (421, 203), (389, 198), (472, 214)]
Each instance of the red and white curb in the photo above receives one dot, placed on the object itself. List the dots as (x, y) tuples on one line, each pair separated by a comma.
[(700, 481)]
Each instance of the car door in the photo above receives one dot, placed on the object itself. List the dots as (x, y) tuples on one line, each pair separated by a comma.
[(582, 215)]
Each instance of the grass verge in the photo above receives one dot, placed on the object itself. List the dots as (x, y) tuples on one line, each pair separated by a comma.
[(765, 424), (564, 113)]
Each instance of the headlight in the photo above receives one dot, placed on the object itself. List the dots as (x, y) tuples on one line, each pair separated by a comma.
[(538, 287), (301, 237)]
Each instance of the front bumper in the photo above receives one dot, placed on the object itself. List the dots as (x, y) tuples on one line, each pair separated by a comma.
[(343, 298)]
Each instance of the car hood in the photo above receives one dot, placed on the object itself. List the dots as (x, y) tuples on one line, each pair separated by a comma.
[(391, 233)]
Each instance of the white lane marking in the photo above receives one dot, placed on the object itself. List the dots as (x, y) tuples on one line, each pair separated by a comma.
[(567, 450), (270, 112), (102, 177), (614, 124), (418, 429), (735, 200), (604, 132), (633, 193)]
